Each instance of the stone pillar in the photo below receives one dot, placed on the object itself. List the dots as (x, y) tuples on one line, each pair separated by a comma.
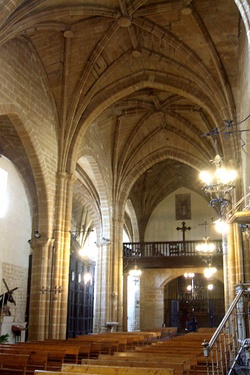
[(61, 257), (229, 268), (109, 281), (152, 300), (239, 258), (117, 282), (125, 302), (133, 303), (102, 288), (39, 302), (246, 256)]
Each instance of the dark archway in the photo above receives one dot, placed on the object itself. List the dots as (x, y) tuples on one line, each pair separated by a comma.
[(81, 296), (185, 299)]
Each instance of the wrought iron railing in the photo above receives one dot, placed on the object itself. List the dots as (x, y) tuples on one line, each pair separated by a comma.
[(171, 248), (227, 351)]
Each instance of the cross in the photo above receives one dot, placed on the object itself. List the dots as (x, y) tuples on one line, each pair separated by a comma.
[(183, 229)]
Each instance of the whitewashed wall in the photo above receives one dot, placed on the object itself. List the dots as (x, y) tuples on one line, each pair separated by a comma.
[(162, 224), (15, 231)]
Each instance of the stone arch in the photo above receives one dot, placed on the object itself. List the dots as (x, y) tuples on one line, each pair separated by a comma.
[(152, 159), (85, 197), (101, 201), (30, 161), (175, 273), (244, 9), (27, 106), (133, 219)]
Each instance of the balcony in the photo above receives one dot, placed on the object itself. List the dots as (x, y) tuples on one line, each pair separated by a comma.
[(169, 255)]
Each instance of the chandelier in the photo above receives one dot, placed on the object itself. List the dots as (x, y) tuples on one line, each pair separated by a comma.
[(135, 272), (206, 246), (219, 184), (209, 272)]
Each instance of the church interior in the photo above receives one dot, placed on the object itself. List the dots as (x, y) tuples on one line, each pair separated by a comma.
[(112, 113)]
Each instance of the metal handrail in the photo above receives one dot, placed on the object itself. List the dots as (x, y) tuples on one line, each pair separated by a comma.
[(224, 320), (226, 343)]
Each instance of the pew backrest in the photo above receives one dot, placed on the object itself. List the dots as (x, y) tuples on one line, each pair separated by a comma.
[(14, 362), (114, 370)]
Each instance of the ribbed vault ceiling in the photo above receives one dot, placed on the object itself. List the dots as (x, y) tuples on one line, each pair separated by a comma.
[(149, 77)]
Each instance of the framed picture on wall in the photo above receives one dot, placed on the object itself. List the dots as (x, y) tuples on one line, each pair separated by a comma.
[(182, 207)]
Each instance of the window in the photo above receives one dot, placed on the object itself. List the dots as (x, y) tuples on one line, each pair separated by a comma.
[(3, 192)]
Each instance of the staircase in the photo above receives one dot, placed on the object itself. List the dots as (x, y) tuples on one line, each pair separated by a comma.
[(228, 351)]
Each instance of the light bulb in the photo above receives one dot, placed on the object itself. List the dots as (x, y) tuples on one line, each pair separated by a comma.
[(206, 177)]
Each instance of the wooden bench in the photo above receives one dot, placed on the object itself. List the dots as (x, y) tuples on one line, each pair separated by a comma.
[(114, 370), (58, 352), (107, 342), (13, 363), (37, 359), (54, 355), (160, 357), (180, 366), (107, 370), (164, 332)]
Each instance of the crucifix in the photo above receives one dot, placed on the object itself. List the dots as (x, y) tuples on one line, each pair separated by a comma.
[(183, 229)]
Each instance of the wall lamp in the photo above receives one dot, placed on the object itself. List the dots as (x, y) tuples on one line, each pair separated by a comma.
[(37, 234)]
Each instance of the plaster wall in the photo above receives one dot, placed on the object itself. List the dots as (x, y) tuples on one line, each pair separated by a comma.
[(15, 229), (162, 224)]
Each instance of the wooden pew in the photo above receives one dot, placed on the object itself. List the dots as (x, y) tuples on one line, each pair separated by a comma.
[(165, 332), (13, 363), (161, 357), (180, 366), (108, 342), (127, 340), (58, 352), (54, 355), (114, 370), (98, 344), (68, 369)]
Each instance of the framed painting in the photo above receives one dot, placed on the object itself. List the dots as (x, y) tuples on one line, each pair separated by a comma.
[(182, 207)]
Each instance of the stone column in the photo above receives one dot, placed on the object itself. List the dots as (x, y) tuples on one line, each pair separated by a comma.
[(117, 282), (61, 257), (102, 288), (246, 256), (39, 301), (239, 255), (229, 268), (152, 299), (109, 281)]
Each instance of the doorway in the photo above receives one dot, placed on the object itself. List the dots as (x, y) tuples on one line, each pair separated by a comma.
[(182, 302), (81, 296)]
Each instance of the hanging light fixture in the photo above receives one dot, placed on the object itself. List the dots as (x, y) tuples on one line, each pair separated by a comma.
[(209, 272), (219, 184), (135, 272), (190, 288), (210, 287), (206, 246)]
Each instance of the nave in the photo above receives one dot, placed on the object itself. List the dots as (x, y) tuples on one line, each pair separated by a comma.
[(157, 352)]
